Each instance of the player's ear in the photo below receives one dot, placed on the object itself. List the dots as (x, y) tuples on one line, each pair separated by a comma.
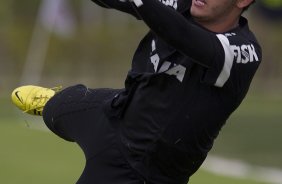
[(243, 3)]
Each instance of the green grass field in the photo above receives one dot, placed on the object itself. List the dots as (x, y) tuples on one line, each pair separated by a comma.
[(253, 132), (31, 155)]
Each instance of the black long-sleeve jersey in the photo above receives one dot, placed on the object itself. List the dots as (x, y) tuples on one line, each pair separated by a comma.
[(184, 83)]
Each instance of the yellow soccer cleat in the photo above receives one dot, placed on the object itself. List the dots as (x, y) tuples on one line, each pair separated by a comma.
[(32, 99)]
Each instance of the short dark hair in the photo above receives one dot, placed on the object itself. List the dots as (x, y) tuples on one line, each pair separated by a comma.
[(247, 7)]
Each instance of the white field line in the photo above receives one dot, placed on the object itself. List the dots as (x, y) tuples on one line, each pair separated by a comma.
[(239, 169)]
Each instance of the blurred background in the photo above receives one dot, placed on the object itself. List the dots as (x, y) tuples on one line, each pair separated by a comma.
[(65, 42)]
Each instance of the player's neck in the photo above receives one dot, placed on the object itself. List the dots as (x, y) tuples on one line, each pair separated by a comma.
[(220, 26)]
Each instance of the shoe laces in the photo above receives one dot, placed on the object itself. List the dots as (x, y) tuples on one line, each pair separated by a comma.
[(40, 101)]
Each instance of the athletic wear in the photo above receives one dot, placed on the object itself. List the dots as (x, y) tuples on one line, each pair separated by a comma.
[(184, 83), (77, 114)]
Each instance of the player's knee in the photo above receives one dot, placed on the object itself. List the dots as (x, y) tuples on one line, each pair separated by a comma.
[(58, 106), (54, 107)]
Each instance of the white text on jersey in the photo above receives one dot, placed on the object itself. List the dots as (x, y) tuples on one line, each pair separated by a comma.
[(167, 67), (244, 53), (171, 3)]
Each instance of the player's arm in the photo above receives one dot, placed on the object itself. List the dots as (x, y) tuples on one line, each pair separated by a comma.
[(179, 32), (121, 5)]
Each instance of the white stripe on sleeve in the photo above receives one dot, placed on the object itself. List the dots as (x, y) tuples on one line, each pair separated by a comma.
[(138, 3), (228, 62)]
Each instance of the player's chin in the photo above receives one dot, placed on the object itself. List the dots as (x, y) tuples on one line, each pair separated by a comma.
[(199, 15)]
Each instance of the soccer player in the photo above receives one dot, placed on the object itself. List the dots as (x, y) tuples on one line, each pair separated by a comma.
[(189, 73)]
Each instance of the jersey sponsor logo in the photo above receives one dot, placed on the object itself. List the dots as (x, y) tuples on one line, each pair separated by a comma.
[(178, 71), (167, 67), (171, 3), (155, 59), (245, 53)]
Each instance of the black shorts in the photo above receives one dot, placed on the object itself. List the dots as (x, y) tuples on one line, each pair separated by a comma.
[(77, 114)]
